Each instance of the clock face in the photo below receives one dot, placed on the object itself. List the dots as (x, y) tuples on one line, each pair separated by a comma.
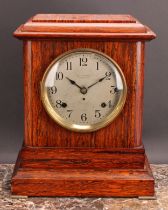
[(83, 90)]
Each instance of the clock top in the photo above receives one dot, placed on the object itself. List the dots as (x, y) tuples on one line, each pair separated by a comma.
[(84, 26)]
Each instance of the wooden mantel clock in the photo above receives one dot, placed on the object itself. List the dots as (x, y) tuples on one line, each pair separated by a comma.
[(83, 103)]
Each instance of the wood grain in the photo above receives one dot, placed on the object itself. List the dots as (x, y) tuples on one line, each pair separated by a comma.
[(36, 158), (84, 18), (109, 162), (84, 26), (27, 92), (45, 132), (84, 182)]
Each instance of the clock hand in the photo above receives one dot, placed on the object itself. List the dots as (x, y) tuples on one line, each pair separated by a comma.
[(83, 90), (100, 80), (74, 83)]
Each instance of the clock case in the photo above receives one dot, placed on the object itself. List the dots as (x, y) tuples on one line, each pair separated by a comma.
[(54, 161)]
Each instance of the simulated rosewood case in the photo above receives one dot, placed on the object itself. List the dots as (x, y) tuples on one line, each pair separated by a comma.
[(109, 162)]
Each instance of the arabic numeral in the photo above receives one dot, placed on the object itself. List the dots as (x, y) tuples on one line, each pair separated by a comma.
[(113, 89), (108, 75), (110, 104), (69, 66), (58, 103), (53, 90), (83, 61), (69, 113), (97, 114), (59, 76), (83, 117), (97, 65)]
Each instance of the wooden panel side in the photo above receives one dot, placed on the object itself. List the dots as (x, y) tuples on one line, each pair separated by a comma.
[(120, 133), (139, 92), (27, 93)]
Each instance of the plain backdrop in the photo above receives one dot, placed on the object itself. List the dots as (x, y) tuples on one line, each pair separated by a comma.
[(153, 13)]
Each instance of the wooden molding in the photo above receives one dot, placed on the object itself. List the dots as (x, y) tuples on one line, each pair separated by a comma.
[(84, 26), (71, 175)]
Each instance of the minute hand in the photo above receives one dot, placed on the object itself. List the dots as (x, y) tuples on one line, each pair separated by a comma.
[(100, 80)]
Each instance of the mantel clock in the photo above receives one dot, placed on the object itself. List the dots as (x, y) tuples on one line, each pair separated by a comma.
[(83, 103)]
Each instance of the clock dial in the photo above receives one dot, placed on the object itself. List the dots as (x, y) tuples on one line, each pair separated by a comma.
[(83, 90)]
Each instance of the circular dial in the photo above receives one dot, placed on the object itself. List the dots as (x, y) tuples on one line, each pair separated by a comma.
[(83, 90)]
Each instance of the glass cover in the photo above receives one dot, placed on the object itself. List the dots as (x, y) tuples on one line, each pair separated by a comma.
[(83, 90)]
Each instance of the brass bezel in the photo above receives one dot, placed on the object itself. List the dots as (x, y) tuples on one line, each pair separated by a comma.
[(82, 128)]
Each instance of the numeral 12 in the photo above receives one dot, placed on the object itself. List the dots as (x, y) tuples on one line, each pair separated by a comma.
[(83, 61)]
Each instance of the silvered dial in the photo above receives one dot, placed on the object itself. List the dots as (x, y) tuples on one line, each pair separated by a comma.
[(83, 90)]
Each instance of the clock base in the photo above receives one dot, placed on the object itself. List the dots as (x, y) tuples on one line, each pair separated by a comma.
[(50, 172)]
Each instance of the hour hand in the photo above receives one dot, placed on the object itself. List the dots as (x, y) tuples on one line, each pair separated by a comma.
[(101, 79), (83, 90), (73, 82)]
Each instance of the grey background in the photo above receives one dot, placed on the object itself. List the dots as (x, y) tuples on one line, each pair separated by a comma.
[(153, 13)]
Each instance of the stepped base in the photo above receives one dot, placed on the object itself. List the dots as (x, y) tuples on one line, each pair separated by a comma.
[(34, 177)]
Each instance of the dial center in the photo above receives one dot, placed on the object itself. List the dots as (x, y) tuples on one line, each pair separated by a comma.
[(83, 90)]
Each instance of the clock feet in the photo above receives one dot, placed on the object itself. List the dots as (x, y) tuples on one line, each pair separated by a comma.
[(147, 197), (19, 196)]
